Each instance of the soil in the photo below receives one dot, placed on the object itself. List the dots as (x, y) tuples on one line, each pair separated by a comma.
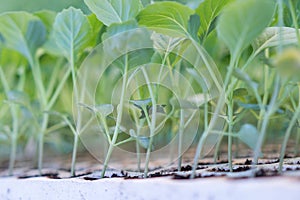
[(89, 169)]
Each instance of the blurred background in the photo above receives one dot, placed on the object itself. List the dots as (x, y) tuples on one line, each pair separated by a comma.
[(35, 5)]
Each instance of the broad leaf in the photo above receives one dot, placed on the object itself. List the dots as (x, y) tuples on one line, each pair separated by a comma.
[(35, 35), (193, 26), (208, 11), (249, 135), (272, 37), (169, 18), (47, 17), (114, 11), (96, 27), (22, 32), (242, 21), (164, 43), (119, 28), (71, 31)]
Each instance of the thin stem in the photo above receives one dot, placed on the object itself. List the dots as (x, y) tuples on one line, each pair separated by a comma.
[(153, 123), (266, 93), (287, 135), (75, 146), (271, 109), (180, 135), (295, 22), (15, 124), (119, 119), (230, 130), (215, 116)]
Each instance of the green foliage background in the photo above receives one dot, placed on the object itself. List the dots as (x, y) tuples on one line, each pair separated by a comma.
[(35, 5)]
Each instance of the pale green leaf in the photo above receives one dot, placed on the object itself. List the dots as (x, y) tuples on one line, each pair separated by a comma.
[(96, 27), (114, 11), (117, 28), (47, 17), (208, 11), (18, 97), (104, 109), (169, 18), (22, 32), (242, 21), (249, 135), (71, 31), (274, 36)]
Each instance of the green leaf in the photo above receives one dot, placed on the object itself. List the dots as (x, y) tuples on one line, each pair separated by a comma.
[(96, 26), (272, 37), (169, 18), (22, 32), (35, 35), (249, 135), (164, 43), (71, 31), (142, 103), (114, 11), (242, 21), (119, 28), (47, 17), (208, 11), (18, 97), (243, 76), (104, 109), (239, 93), (193, 26), (124, 38)]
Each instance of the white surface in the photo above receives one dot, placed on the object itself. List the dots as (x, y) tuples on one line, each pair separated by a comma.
[(156, 188)]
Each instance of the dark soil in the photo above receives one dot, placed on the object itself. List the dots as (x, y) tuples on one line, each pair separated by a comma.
[(88, 168)]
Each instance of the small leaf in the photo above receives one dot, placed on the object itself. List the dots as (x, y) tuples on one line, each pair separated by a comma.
[(18, 97), (243, 76), (114, 11), (242, 21), (104, 109), (132, 133), (256, 107), (239, 93), (144, 142), (71, 31), (249, 135), (169, 18), (142, 103)]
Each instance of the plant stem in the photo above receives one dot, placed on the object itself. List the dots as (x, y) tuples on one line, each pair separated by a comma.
[(180, 135), (287, 136), (266, 93), (153, 123), (230, 131), (295, 22), (119, 119), (271, 109), (219, 106), (15, 125), (74, 155)]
